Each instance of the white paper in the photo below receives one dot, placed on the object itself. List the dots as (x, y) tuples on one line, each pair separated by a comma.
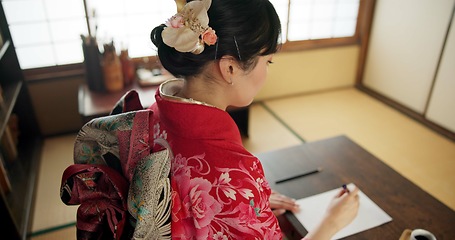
[(369, 216)]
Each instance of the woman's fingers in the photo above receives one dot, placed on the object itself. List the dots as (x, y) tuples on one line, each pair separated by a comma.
[(352, 192), (280, 201)]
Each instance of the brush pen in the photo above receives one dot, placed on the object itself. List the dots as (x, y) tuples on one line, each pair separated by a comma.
[(299, 175)]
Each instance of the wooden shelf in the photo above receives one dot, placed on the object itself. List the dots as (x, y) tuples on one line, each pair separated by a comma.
[(21, 149), (22, 173), (10, 94), (4, 48)]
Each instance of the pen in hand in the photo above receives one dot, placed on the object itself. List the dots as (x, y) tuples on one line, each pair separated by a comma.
[(346, 189)]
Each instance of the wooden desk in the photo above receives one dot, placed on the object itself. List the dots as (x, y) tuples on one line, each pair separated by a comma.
[(98, 104), (343, 161)]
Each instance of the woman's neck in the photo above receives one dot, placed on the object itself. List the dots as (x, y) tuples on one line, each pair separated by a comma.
[(204, 90)]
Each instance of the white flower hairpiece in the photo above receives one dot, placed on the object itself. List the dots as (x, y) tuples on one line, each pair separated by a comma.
[(188, 30)]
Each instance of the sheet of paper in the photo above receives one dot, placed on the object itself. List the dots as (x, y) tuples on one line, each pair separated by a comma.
[(370, 215)]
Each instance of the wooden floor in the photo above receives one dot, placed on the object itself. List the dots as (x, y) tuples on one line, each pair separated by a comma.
[(413, 150)]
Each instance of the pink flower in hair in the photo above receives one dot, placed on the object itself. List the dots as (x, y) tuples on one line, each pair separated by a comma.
[(176, 21), (209, 36), (184, 30)]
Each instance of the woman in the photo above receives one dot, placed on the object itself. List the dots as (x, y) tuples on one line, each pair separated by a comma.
[(221, 49)]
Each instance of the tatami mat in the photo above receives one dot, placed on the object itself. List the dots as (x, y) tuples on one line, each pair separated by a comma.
[(49, 210), (68, 233), (266, 133), (418, 153)]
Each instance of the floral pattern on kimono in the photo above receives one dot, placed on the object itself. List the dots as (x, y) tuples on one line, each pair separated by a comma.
[(218, 188)]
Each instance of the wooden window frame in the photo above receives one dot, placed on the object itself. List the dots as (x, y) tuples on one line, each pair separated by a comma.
[(364, 19)]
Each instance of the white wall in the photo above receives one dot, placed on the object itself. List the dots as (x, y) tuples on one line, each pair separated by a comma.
[(405, 46), (55, 104), (311, 70)]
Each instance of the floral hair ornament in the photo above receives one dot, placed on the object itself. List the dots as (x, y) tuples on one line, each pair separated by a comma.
[(188, 30)]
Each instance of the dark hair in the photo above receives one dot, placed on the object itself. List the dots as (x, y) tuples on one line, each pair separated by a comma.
[(246, 29)]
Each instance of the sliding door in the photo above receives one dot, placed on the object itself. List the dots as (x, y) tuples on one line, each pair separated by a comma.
[(405, 45), (441, 109)]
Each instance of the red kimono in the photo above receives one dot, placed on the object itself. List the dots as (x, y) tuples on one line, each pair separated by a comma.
[(218, 188)]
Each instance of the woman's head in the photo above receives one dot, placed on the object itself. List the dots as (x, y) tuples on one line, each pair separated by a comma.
[(245, 29)]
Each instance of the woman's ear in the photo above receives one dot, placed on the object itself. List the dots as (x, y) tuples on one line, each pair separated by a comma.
[(227, 68)]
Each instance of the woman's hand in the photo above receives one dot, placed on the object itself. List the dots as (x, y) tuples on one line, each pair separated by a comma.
[(279, 203), (341, 211), (343, 208)]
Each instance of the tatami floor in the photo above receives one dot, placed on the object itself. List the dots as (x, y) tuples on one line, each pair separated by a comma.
[(421, 155)]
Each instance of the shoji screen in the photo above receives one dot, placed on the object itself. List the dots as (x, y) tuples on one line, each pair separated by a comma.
[(441, 109), (405, 46)]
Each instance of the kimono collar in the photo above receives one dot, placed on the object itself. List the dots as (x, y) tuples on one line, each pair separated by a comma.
[(170, 88), (193, 119)]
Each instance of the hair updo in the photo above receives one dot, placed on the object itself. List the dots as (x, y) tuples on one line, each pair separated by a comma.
[(246, 29)]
